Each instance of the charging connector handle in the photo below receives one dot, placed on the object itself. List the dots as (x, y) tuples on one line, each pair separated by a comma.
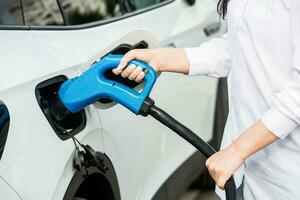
[(190, 137), (89, 87)]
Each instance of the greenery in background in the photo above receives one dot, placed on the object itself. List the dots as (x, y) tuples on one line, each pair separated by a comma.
[(111, 4), (75, 17)]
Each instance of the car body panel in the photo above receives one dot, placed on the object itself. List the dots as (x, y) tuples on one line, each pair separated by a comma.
[(33, 152), (7, 192)]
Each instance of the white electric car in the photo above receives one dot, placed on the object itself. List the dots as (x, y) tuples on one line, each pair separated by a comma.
[(45, 42)]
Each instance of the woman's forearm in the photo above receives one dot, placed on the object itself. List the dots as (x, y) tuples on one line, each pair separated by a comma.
[(254, 139), (173, 60)]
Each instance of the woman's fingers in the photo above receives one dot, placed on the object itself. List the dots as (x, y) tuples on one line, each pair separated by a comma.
[(131, 55), (222, 179), (117, 71), (217, 172), (211, 160), (135, 73), (213, 167), (127, 72), (140, 77)]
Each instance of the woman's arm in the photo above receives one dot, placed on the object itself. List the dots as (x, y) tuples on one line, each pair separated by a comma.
[(211, 58), (224, 163), (162, 60)]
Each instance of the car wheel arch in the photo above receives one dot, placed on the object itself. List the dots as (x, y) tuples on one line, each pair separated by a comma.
[(95, 184)]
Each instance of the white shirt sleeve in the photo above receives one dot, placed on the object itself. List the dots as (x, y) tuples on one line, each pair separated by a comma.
[(284, 116), (211, 58)]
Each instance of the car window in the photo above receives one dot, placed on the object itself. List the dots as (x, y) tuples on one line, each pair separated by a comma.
[(67, 12), (42, 12), (86, 11), (10, 12)]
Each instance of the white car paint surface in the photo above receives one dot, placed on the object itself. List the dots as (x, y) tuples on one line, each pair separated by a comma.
[(37, 165)]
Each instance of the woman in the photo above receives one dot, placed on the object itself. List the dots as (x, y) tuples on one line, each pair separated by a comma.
[(260, 54)]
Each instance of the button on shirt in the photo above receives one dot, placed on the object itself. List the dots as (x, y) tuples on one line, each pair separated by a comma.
[(260, 54)]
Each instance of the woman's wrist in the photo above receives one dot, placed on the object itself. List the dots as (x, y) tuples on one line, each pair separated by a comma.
[(238, 152), (173, 60)]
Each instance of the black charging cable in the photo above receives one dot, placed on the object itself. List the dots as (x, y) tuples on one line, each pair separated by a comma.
[(148, 108)]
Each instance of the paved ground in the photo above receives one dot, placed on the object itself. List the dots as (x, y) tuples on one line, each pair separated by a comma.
[(199, 195)]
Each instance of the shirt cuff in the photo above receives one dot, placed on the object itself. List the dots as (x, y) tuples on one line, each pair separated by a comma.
[(199, 62), (278, 123)]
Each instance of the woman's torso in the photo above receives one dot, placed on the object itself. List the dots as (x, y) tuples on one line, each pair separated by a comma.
[(261, 50)]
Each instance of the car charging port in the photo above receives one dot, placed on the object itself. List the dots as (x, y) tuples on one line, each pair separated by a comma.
[(64, 123)]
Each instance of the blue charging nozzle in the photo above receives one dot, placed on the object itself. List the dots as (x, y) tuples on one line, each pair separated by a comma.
[(79, 92)]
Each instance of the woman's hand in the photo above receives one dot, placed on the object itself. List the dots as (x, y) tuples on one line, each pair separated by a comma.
[(165, 59), (223, 164), (132, 72)]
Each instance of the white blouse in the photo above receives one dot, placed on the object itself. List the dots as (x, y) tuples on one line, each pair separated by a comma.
[(260, 54)]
